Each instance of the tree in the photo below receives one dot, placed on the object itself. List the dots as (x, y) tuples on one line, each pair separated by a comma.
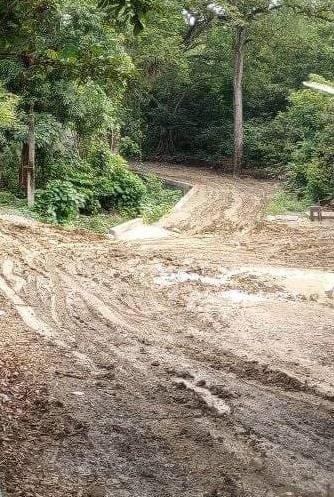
[(241, 16), (8, 104), (46, 43), (131, 11)]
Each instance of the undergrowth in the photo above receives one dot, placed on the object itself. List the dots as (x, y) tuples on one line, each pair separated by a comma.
[(99, 223), (62, 204), (285, 202), (10, 204), (158, 200)]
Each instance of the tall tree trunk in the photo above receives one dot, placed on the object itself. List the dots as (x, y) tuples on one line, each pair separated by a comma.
[(27, 174), (239, 51)]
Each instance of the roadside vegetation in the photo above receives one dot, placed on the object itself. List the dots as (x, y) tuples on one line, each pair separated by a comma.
[(284, 202), (87, 85), (97, 201)]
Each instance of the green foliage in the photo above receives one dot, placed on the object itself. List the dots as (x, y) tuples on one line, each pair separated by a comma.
[(131, 11), (9, 167), (8, 198), (8, 104), (122, 190), (284, 202), (129, 148), (100, 223), (319, 180), (67, 60), (58, 202), (86, 75), (11, 204), (113, 184), (308, 126), (182, 98), (103, 161), (158, 200), (301, 140)]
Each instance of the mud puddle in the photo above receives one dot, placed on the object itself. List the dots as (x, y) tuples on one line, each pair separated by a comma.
[(257, 284)]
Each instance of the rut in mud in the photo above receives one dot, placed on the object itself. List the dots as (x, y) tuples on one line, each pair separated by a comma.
[(197, 365)]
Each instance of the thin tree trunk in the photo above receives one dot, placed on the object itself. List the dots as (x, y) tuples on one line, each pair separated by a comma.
[(239, 50), (114, 141), (24, 166), (27, 174)]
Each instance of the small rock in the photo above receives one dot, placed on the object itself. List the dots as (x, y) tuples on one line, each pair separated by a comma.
[(155, 363), (99, 384)]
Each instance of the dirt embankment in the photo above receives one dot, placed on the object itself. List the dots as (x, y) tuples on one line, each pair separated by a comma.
[(198, 365)]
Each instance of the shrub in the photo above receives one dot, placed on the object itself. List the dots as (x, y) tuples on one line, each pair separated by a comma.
[(103, 181), (10, 159), (320, 181), (58, 202), (301, 138), (129, 148), (314, 180), (7, 198), (297, 179), (101, 160), (123, 190)]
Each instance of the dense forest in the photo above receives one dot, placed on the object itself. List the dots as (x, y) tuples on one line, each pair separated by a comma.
[(87, 85)]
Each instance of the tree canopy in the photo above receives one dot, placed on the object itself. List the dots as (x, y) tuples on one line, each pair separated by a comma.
[(188, 80)]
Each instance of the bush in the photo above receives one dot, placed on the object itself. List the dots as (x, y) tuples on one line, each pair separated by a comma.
[(7, 198), (123, 190), (301, 138), (103, 181), (129, 148), (10, 159), (101, 159), (313, 180), (59, 202), (320, 181)]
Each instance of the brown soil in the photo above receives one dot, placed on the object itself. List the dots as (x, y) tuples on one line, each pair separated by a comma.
[(192, 366)]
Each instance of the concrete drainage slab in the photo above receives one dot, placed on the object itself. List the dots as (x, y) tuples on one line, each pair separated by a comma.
[(136, 229)]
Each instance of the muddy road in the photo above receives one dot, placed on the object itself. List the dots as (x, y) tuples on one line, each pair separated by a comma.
[(196, 365)]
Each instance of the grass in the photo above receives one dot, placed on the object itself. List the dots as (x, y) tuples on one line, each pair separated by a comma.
[(284, 202), (8, 199), (99, 223), (10, 204)]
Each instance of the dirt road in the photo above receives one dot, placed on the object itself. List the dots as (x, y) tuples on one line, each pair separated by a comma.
[(197, 365)]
